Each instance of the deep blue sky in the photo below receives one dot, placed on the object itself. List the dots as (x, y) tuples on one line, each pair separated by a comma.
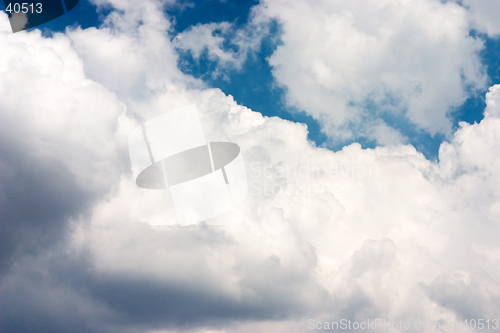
[(253, 85)]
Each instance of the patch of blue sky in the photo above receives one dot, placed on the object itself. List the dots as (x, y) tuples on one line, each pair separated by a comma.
[(472, 109), (422, 140), (208, 11), (390, 111)]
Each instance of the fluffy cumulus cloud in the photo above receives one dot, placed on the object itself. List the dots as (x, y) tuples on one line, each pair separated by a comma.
[(355, 67), (484, 15), (211, 39), (352, 64), (357, 234)]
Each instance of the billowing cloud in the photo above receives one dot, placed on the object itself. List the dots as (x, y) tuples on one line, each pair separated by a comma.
[(349, 64), (362, 70), (61, 138), (212, 39), (484, 15), (357, 234)]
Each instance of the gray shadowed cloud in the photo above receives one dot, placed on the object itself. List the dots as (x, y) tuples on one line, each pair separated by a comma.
[(59, 292), (38, 196)]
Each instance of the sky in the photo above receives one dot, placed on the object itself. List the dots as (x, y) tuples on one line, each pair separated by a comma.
[(370, 135)]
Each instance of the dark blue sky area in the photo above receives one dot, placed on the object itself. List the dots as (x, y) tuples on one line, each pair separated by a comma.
[(253, 85), (208, 11)]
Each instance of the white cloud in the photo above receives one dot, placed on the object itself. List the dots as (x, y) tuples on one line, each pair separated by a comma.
[(382, 252), (484, 15), (202, 36), (348, 64), (52, 111), (132, 54), (223, 42), (356, 234)]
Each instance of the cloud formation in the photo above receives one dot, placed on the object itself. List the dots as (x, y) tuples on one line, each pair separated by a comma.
[(483, 15), (357, 234), (362, 70), (351, 65)]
